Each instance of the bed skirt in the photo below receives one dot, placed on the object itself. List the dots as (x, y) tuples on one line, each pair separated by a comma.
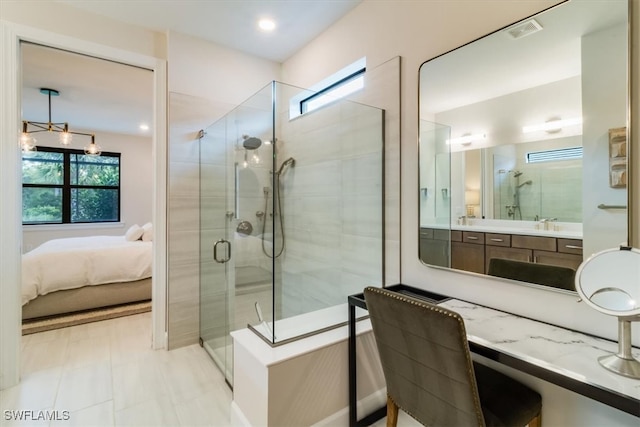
[(87, 298)]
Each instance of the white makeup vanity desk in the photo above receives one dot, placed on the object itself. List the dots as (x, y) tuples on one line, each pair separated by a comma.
[(559, 356)]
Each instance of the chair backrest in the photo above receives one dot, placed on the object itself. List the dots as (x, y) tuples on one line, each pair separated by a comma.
[(425, 359), (542, 274)]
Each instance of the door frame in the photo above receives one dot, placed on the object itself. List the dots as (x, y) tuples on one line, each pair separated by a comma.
[(10, 183)]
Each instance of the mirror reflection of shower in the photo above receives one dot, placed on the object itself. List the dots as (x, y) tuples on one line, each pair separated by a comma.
[(514, 210), (277, 211)]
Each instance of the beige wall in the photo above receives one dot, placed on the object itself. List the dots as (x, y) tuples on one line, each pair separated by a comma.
[(603, 78), (62, 19)]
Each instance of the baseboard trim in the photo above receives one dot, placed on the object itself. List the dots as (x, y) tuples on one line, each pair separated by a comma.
[(366, 405)]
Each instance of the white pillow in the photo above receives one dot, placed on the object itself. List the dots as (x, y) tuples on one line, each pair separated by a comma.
[(133, 233), (147, 236)]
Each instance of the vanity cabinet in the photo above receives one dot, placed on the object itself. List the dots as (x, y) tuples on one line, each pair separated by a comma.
[(543, 250), (434, 246), (472, 250), (467, 251)]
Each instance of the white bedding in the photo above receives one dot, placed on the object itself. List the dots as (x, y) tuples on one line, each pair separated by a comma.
[(83, 261)]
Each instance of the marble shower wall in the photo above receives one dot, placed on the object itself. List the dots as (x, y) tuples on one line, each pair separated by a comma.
[(332, 201), (187, 115)]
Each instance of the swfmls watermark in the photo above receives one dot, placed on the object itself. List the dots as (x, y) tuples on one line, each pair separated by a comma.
[(29, 415)]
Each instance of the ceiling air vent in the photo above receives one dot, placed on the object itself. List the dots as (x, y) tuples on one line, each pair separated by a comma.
[(523, 29)]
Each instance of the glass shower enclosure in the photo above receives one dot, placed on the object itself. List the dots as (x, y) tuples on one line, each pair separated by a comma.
[(435, 195), (291, 217)]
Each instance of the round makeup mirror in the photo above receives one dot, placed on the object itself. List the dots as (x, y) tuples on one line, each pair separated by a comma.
[(609, 281)]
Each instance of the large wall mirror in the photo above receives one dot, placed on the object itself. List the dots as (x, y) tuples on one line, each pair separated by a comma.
[(523, 146)]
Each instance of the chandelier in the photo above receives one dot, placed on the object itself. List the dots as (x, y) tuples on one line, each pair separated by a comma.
[(28, 142)]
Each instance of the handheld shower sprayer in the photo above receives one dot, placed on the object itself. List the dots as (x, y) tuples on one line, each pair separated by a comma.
[(289, 162)]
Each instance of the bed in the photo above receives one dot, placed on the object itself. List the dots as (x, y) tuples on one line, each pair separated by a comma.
[(82, 273)]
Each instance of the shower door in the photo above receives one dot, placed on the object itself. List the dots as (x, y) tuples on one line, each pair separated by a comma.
[(236, 160), (217, 273)]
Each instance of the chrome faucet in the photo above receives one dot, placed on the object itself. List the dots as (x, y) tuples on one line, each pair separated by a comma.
[(546, 223)]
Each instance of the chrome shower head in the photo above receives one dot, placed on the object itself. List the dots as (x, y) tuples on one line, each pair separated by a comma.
[(251, 142)]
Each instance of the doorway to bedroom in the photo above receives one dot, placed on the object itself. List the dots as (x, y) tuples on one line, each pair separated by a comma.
[(87, 188)]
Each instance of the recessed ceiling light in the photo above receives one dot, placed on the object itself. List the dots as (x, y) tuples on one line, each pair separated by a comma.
[(144, 126), (266, 24)]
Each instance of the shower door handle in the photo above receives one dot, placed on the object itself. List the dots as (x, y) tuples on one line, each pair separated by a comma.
[(215, 251)]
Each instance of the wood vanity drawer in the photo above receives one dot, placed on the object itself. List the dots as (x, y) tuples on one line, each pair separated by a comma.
[(441, 234), (473, 237), (426, 233), (494, 239), (570, 246), (533, 242), (456, 236)]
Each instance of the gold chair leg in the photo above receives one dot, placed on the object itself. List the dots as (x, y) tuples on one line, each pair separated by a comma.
[(535, 422), (392, 413)]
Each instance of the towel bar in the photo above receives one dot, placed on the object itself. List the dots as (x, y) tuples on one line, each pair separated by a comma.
[(603, 206)]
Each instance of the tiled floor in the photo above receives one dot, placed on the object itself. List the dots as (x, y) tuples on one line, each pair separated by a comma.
[(106, 374)]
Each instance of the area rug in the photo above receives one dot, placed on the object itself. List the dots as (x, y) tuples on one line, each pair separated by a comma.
[(66, 320)]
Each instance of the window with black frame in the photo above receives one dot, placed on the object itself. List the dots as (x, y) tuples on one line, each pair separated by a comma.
[(63, 186), (343, 87)]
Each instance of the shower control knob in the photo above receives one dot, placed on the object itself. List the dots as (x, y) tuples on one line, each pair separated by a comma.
[(229, 214)]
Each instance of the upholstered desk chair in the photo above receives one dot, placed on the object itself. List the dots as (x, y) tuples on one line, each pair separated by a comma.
[(429, 372), (542, 274)]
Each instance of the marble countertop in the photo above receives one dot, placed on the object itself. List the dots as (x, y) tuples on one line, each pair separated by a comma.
[(567, 234), (526, 228), (568, 353)]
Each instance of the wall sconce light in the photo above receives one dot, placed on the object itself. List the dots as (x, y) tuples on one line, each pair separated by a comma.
[(467, 139), (471, 200), (553, 125)]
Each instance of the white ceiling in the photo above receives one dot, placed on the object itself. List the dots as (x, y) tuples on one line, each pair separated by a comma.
[(97, 95), (497, 84), (497, 65), (231, 23)]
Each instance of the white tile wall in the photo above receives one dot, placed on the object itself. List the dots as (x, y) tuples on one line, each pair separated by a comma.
[(332, 203), (188, 115)]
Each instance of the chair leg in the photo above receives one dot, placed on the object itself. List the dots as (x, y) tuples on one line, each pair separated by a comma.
[(392, 413), (535, 422)]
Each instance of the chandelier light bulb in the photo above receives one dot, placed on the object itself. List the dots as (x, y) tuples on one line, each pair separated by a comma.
[(27, 142), (92, 149), (65, 138)]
